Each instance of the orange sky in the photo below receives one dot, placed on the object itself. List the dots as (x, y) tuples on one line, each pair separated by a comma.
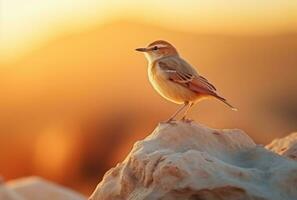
[(66, 89), (28, 24)]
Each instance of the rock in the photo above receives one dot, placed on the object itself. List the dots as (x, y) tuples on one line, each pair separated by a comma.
[(34, 188), (192, 162), (286, 146), (8, 194)]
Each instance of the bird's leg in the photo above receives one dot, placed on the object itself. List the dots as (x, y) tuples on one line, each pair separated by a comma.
[(184, 118), (176, 113)]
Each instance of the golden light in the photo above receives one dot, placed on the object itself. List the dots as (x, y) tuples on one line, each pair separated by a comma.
[(75, 94), (54, 150), (28, 24)]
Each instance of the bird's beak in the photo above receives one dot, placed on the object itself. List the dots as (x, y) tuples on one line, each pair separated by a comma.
[(142, 49)]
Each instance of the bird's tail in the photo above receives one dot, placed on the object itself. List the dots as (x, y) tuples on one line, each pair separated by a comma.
[(225, 102)]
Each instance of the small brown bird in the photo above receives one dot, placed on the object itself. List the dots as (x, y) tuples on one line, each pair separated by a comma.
[(175, 79)]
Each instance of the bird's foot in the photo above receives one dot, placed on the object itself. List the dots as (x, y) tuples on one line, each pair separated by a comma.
[(186, 120), (170, 121)]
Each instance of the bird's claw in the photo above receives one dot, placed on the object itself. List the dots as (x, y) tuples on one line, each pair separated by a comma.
[(186, 120), (170, 121)]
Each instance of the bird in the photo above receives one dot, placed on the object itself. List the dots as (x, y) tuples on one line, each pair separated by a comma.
[(175, 79)]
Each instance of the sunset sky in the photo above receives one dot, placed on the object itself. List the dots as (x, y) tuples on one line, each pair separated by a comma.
[(73, 90), (29, 24)]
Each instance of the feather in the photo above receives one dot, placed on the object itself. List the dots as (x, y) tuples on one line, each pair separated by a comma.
[(183, 73), (180, 72)]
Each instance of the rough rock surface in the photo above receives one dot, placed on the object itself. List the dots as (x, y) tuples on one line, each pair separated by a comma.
[(286, 146), (33, 188), (192, 162)]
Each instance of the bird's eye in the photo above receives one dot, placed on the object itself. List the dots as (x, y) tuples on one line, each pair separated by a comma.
[(155, 48)]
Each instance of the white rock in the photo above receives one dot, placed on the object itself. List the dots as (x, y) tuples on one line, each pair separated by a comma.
[(193, 162), (8, 194), (286, 146), (34, 188)]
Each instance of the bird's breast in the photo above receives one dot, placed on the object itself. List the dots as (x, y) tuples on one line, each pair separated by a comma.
[(168, 89)]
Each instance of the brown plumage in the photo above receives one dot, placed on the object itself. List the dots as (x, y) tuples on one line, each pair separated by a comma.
[(175, 79)]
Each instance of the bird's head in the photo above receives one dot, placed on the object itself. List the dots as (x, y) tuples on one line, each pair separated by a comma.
[(158, 49)]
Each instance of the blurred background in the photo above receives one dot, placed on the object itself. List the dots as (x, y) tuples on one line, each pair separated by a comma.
[(75, 95)]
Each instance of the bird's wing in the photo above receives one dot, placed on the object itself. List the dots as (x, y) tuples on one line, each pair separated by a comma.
[(180, 72), (184, 75)]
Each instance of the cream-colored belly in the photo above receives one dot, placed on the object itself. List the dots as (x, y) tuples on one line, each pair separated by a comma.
[(170, 90)]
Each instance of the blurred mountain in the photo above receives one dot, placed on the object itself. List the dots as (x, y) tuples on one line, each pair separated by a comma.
[(88, 93)]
